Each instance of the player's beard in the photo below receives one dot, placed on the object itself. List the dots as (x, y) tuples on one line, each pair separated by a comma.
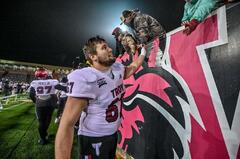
[(106, 61)]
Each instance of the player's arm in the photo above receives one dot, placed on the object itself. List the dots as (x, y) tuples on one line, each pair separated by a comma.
[(61, 87), (64, 137), (32, 94), (133, 67)]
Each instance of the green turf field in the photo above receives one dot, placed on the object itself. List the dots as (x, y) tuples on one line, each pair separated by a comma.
[(19, 134)]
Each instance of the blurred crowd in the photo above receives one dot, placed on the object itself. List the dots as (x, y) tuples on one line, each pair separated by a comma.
[(10, 87), (16, 78)]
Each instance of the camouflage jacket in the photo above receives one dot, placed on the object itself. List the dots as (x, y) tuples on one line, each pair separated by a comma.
[(147, 26)]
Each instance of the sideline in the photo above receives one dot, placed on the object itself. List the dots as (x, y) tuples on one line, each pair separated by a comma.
[(16, 105)]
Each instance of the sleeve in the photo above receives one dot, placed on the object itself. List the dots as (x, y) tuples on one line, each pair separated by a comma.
[(78, 86), (55, 82), (185, 14), (32, 94), (204, 9), (60, 87), (141, 27), (33, 84), (144, 26)]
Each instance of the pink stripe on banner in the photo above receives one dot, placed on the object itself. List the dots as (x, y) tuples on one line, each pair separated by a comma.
[(185, 60)]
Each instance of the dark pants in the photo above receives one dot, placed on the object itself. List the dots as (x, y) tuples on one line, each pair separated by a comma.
[(62, 102), (44, 116), (98, 147)]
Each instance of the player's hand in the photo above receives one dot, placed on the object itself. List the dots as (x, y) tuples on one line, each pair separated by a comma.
[(185, 22), (190, 26), (141, 45), (187, 31)]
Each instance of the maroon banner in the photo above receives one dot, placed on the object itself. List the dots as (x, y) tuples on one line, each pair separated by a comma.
[(176, 110)]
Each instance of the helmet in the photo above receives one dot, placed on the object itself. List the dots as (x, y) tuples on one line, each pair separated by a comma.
[(41, 73), (64, 79)]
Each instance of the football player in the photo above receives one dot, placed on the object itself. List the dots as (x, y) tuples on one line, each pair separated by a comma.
[(62, 97), (42, 93), (95, 96)]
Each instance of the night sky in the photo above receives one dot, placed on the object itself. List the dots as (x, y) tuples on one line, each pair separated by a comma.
[(53, 32)]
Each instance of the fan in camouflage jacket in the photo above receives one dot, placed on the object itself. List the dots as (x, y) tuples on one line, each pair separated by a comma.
[(145, 27)]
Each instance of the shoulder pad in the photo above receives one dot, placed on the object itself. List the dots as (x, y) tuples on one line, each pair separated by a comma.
[(117, 66), (85, 74)]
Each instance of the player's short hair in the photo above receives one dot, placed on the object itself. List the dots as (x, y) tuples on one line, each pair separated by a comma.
[(90, 48)]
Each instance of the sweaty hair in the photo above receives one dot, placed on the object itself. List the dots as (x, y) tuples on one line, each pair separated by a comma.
[(91, 46)]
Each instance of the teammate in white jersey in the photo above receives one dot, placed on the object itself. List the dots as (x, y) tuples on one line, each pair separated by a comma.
[(95, 95), (42, 92), (62, 97)]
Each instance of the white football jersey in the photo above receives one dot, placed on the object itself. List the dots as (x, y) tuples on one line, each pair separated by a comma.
[(103, 114), (44, 87)]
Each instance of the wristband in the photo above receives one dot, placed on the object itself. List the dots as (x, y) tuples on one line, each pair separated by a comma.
[(143, 51)]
